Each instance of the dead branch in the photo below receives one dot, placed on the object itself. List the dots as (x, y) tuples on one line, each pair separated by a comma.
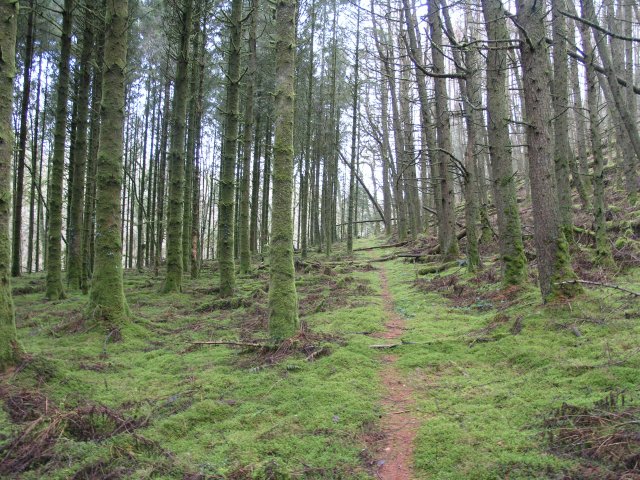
[(599, 284), (392, 245)]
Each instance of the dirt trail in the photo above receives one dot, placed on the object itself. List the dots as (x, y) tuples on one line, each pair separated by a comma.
[(398, 422)]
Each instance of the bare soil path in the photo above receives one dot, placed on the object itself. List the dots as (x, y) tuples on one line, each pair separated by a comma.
[(399, 423)]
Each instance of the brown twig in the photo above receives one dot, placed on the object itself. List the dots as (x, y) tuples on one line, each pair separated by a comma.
[(599, 284)]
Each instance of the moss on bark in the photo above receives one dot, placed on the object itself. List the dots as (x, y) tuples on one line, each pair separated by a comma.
[(226, 202), (107, 303), (283, 299), (9, 347), (55, 290), (76, 209), (173, 280)]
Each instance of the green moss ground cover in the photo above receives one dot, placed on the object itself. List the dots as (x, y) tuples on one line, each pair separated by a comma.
[(488, 366)]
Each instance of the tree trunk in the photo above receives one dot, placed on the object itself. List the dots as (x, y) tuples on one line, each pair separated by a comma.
[(603, 251), (89, 224), (510, 231), (471, 95), (55, 290), (551, 246), (162, 170), (34, 174), (245, 183), (283, 300), (22, 146), (107, 302), (560, 102), (9, 347), (173, 280), (446, 231), (255, 187), (354, 132), (619, 99), (226, 201), (304, 194), (76, 210), (266, 188)]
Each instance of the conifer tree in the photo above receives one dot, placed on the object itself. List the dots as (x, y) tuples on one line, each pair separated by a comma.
[(283, 300), (55, 290), (9, 347), (107, 302)]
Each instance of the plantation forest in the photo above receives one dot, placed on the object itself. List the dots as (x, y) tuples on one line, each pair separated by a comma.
[(320, 239)]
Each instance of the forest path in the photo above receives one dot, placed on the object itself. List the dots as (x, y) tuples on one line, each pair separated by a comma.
[(399, 423)]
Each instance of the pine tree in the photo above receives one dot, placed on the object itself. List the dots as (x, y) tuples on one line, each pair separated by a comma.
[(173, 280), (55, 290), (9, 347), (283, 300), (107, 302), (226, 202), (554, 265)]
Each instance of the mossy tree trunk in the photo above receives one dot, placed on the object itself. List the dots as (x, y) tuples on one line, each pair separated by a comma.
[(76, 209), (603, 250), (415, 50), (175, 207), (22, 144), (245, 182), (34, 172), (161, 173), (107, 303), (304, 183), (266, 186), (283, 300), (470, 93), (619, 99), (226, 200), (255, 187), (55, 290), (195, 200), (551, 246), (142, 212), (89, 224), (192, 145), (354, 138), (631, 178), (9, 346), (560, 102), (504, 189), (446, 224)]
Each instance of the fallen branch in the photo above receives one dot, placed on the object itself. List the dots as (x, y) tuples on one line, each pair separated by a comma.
[(392, 245), (599, 284), (233, 344), (437, 268), (389, 345)]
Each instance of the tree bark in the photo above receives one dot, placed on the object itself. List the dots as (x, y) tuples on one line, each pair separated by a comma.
[(10, 350), (22, 145), (55, 290), (76, 210), (551, 246), (226, 201), (504, 190), (173, 280), (107, 302), (283, 300)]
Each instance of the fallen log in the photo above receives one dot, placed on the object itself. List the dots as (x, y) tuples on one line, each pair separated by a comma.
[(437, 268), (392, 245)]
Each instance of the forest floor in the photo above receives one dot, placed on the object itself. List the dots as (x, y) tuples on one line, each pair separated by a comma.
[(483, 382)]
